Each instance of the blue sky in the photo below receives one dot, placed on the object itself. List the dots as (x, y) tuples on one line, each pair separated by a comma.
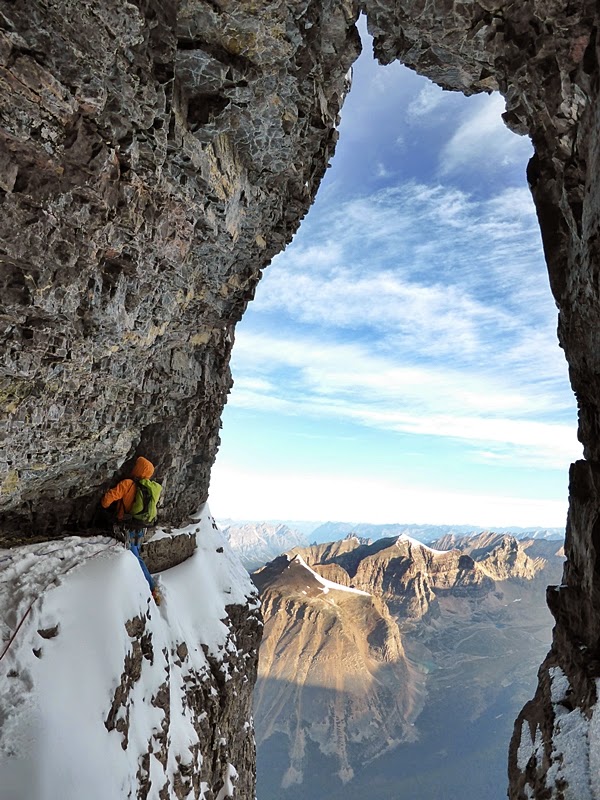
[(400, 361)]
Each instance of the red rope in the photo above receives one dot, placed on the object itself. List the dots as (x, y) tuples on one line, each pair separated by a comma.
[(35, 599), (18, 628)]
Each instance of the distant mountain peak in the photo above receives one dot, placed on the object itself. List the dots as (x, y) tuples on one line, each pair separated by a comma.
[(256, 543), (356, 537), (356, 633)]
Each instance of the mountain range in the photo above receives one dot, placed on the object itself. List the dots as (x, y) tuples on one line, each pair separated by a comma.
[(395, 669), (259, 542)]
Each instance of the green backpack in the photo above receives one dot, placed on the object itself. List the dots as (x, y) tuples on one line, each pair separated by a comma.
[(146, 497)]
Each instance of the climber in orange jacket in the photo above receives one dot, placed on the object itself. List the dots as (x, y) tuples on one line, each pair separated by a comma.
[(125, 491), (137, 511)]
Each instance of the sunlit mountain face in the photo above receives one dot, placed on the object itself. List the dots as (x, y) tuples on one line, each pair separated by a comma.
[(395, 669)]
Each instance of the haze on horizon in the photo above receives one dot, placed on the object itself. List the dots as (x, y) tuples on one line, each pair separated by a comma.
[(400, 360)]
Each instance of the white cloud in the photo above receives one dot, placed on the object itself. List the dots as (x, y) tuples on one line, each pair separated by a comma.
[(255, 385), (435, 317), (348, 381), (428, 99), (435, 273), (264, 494), (483, 142), (416, 310)]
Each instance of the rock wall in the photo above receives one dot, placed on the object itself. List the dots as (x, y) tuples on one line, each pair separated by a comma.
[(154, 156)]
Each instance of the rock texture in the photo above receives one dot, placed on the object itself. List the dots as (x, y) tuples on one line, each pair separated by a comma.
[(210, 701), (347, 644), (164, 551), (543, 763), (153, 158), (499, 556), (366, 643), (423, 574)]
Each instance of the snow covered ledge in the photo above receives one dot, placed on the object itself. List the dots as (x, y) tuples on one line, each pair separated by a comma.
[(105, 695)]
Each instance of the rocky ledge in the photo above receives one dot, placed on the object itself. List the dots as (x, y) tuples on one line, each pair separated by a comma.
[(160, 695)]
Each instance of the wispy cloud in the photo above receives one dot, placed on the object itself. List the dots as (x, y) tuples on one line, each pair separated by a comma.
[(415, 310), (435, 272), (347, 381), (483, 139), (428, 99)]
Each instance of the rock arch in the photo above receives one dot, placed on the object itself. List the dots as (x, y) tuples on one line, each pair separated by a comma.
[(154, 156)]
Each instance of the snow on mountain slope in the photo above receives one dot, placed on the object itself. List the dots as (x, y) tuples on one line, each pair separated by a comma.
[(105, 695), (327, 584)]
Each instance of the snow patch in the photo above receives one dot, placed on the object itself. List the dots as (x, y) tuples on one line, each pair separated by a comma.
[(529, 745), (63, 609), (416, 543), (575, 745), (570, 756), (228, 787), (327, 584), (559, 684)]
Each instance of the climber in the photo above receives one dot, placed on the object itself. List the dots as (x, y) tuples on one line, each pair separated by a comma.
[(136, 498)]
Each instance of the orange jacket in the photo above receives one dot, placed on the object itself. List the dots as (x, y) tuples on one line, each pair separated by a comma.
[(125, 490)]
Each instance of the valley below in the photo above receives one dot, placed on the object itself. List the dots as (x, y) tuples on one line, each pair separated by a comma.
[(394, 670)]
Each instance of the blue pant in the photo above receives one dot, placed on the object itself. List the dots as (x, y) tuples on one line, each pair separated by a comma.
[(134, 537)]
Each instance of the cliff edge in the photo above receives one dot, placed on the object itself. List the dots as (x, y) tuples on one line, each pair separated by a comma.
[(104, 694)]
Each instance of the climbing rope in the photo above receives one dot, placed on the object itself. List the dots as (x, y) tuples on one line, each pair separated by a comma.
[(43, 591), (19, 626)]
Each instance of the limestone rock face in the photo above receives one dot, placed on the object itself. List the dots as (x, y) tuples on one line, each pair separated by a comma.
[(153, 158), (167, 550), (498, 555), (346, 644), (385, 565)]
